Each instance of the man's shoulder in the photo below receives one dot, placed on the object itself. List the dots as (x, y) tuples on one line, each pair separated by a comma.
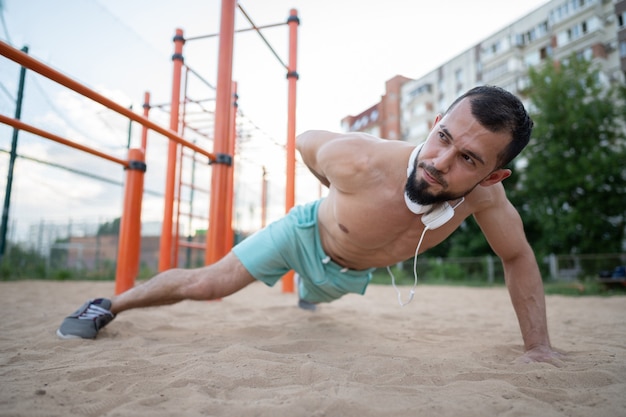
[(370, 150), (361, 139), (483, 198)]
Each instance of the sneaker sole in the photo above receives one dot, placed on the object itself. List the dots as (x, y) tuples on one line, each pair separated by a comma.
[(67, 336)]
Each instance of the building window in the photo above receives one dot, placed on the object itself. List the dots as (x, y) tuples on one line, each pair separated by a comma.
[(622, 49), (419, 110), (421, 89), (542, 28), (568, 8), (523, 83), (419, 131), (442, 105), (532, 58), (458, 77), (494, 72), (495, 48), (578, 30), (585, 54)]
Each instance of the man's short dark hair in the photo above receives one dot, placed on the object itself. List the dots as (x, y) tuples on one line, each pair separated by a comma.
[(499, 110)]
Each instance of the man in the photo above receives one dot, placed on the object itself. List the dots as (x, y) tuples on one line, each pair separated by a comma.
[(385, 199)]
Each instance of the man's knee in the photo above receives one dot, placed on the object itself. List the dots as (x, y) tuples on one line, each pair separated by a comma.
[(225, 277)]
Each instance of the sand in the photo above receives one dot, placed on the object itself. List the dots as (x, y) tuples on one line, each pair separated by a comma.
[(449, 353)]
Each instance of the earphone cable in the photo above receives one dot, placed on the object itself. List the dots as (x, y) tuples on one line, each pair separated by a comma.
[(393, 278)]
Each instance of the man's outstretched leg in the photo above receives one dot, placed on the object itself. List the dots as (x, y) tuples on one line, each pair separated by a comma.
[(218, 280)]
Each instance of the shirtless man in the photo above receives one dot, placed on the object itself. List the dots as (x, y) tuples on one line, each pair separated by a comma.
[(381, 194)]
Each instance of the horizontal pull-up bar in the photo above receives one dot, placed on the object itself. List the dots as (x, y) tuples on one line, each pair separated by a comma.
[(255, 28), (27, 61), (214, 35), (31, 129)]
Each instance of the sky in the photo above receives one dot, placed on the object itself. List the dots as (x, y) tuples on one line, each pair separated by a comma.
[(123, 48)]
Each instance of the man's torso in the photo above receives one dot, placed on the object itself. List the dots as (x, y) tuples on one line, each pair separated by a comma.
[(374, 227)]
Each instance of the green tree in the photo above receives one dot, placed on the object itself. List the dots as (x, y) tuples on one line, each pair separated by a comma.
[(112, 228), (571, 192)]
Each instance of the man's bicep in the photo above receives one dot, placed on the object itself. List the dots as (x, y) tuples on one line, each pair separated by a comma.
[(340, 159), (309, 144)]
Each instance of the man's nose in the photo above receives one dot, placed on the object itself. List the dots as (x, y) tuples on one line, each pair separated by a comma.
[(443, 160)]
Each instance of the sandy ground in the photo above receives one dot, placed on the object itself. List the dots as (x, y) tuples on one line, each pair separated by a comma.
[(449, 353)]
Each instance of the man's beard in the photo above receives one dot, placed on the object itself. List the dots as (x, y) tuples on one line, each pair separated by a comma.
[(417, 191)]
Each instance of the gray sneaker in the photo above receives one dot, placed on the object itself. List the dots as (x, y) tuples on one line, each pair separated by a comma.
[(85, 322), (305, 305)]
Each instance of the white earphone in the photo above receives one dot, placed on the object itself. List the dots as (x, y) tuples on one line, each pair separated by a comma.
[(433, 216)]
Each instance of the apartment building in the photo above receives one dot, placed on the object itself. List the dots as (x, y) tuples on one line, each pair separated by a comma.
[(383, 119), (594, 29)]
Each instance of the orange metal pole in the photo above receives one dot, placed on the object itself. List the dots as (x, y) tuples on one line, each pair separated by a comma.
[(180, 158), (166, 253), (177, 201), (32, 64), (217, 229), (229, 239), (36, 131), (144, 129), (292, 77), (129, 246)]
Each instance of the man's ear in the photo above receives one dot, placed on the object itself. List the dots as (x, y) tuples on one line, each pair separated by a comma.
[(437, 119), (495, 177)]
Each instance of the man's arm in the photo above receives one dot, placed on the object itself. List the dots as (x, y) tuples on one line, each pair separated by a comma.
[(309, 144), (503, 228), (338, 158)]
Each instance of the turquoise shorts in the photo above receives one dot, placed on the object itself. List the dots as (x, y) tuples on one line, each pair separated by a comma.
[(294, 243)]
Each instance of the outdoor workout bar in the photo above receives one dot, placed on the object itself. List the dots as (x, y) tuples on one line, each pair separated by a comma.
[(32, 64), (130, 224), (220, 208), (18, 124)]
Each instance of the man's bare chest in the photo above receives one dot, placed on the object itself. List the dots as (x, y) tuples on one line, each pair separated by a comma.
[(379, 228)]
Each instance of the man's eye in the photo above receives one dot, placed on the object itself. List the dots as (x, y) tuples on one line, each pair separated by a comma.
[(468, 159)]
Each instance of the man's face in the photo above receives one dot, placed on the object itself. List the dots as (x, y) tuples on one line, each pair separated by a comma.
[(458, 155)]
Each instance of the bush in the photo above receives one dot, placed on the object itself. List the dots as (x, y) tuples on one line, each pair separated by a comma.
[(20, 263)]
